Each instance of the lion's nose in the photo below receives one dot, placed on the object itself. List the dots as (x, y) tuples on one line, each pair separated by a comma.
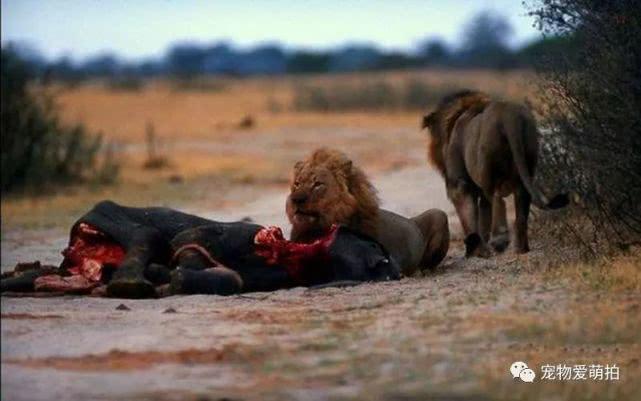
[(299, 198)]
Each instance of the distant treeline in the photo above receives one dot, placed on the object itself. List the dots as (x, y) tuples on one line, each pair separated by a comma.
[(484, 45)]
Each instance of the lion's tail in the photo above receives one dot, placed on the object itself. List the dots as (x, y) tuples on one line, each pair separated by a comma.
[(517, 145)]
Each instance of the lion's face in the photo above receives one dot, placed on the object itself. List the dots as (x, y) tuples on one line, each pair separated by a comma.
[(319, 197)]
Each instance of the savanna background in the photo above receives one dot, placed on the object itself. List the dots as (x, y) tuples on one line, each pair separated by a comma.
[(207, 108)]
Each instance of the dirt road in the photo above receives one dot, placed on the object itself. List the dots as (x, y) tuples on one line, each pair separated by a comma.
[(449, 335)]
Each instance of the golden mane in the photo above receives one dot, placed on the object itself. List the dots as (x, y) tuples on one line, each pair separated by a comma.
[(442, 120), (362, 209), (469, 102)]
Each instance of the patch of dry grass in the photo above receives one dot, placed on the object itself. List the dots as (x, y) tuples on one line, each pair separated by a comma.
[(191, 165), (61, 209), (176, 114), (198, 135), (191, 178), (603, 323), (589, 333), (616, 274)]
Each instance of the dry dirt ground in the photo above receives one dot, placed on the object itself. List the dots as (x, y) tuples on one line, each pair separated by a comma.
[(449, 335)]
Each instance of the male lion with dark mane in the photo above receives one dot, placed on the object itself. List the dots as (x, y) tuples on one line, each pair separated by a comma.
[(327, 188), (487, 150)]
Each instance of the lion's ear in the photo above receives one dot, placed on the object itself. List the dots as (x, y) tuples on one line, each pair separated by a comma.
[(428, 120)]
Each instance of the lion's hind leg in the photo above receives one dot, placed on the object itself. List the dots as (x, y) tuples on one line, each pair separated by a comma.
[(500, 235), (436, 231), (485, 218), (522, 201)]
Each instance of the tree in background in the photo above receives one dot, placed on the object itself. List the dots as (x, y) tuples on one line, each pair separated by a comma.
[(186, 60), (104, 65), (434, 52), (485, 42), (592, 99), (355, 57), (263, 60), (485, 38), (302, 62), (38, 150)]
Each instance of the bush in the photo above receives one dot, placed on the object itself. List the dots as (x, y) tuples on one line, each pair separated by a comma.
[(37, 149), (593, 106)]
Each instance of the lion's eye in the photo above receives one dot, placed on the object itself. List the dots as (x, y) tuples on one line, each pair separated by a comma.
[(317, 184)]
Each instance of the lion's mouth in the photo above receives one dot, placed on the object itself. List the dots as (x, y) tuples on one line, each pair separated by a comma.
[(304, 216)]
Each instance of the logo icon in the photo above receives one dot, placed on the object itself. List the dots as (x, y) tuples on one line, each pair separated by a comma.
[(519, 369)]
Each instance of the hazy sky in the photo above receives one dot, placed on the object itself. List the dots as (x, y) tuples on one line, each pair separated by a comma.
[(140, 28)]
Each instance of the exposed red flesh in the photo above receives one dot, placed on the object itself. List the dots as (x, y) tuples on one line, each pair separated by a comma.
[(89, 251), (272, 245), (70, 284)]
